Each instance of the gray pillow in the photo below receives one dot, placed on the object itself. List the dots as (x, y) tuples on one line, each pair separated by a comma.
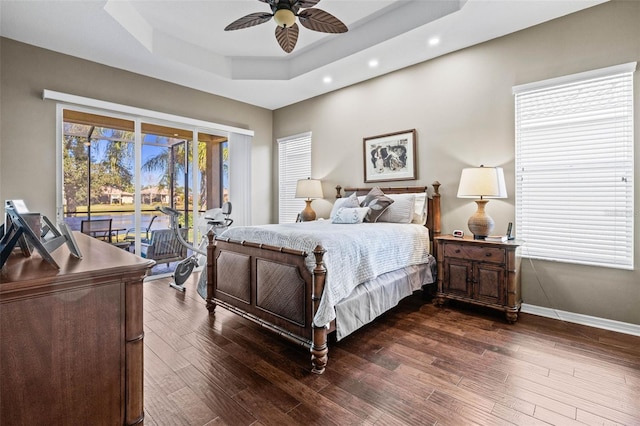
[(350, 201), (377, 203)]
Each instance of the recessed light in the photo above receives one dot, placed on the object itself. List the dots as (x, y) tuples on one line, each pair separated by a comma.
[(373, 63), (327, 80), (434, 41)]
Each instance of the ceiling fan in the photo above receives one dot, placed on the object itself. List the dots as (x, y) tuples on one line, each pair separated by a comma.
[(284, 13)]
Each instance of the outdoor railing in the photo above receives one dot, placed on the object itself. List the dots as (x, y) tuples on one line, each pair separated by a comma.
[(123, 220)]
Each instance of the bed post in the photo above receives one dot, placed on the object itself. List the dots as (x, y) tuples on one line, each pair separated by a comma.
[(436, 209), (211, 305), (319, 349), (434, 217)]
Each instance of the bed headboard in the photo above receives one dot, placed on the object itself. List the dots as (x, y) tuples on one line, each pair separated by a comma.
[(433, 206)]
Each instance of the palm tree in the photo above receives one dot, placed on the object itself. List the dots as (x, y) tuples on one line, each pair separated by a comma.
[(162, 162)]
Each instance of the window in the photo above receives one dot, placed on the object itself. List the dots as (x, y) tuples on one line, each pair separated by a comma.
[(574, 167), (294, 155)]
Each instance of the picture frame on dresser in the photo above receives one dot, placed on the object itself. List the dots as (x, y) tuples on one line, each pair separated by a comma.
[(18, 227), (390, 157), (70, 239)]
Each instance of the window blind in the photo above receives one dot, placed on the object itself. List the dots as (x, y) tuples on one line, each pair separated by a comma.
[(574, 168), (294, 161)]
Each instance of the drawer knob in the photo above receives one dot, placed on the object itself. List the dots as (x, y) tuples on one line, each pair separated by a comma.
[(458, 250), (488, 254)]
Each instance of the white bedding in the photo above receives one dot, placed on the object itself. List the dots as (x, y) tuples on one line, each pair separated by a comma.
[(375, 297), (355, 253)]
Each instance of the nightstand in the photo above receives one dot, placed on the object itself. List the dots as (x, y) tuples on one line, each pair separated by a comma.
[(479, 272)]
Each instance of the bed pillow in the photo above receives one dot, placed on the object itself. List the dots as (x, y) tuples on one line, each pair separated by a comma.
[(401, 210), (420, 208), (350, 201), (377, 203), (350, 215)]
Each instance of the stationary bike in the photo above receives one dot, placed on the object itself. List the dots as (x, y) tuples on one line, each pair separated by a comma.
[(214, 220)]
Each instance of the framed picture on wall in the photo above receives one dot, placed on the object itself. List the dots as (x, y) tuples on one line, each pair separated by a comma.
[(390, 157)]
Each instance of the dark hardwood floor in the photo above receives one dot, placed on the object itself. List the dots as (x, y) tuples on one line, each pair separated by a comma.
[(417, 364)]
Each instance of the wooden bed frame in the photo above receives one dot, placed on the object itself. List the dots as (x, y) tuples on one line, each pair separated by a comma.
[(273, 287)]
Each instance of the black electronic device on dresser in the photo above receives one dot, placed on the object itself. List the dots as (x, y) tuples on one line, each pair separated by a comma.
[(509, 232)]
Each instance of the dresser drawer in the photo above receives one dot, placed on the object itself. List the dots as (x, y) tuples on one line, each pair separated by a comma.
[(473, 252)]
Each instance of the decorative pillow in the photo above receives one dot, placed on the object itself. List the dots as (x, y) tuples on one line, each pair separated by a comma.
[(401, 210), (350, 215), (350, 201), (377, 203)]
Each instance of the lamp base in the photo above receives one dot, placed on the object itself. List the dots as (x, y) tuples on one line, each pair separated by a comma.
[(480, 223), (308, 215)]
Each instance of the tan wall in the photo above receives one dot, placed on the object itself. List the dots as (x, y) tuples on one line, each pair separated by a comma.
[(463, 109), (27, 123)]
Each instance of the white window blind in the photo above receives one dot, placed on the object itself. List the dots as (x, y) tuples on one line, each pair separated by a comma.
[(294, 159), (574, 168)]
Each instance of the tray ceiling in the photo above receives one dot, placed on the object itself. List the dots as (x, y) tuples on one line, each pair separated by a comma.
[(183, 41)]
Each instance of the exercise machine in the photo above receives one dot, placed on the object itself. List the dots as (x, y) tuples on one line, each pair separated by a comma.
[(214, 220)]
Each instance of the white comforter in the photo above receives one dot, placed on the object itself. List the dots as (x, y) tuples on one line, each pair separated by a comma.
[(355, 253)]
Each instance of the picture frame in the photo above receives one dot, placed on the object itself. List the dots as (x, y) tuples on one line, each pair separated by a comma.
[(33, 231), (390, 157), (70, 239), (19, 228)]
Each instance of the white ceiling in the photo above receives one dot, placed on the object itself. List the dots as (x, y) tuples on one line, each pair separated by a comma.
[(183, 41)]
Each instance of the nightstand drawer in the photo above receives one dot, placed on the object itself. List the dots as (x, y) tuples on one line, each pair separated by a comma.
[(477, 253)]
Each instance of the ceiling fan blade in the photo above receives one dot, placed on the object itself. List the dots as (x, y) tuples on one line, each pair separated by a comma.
[(249, 21), (319, 20), (287, 37), (305, 3), (296, 5), (271, 3)]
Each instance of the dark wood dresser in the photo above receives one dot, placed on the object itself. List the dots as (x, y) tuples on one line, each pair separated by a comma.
[(479, 272), (71, 340)]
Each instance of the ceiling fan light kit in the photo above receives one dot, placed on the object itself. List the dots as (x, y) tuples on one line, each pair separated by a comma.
[(284, 18), (284, 13)]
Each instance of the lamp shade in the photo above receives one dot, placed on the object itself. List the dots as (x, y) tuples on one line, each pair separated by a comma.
[(309, 188), (483, 182)]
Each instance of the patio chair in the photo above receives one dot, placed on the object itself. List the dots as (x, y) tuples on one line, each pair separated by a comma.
[(97, 228), (130, 236), (163, 246)]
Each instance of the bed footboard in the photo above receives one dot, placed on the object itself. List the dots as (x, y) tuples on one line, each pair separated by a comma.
[(272, 287)]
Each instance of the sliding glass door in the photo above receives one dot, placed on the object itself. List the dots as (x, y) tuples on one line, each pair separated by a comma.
[(106, 175)]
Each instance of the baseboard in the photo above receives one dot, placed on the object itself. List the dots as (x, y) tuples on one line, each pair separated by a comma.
[(606, 324)]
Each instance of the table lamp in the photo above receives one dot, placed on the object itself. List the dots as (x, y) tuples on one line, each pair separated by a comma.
[(483, 182), (309, 189)]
